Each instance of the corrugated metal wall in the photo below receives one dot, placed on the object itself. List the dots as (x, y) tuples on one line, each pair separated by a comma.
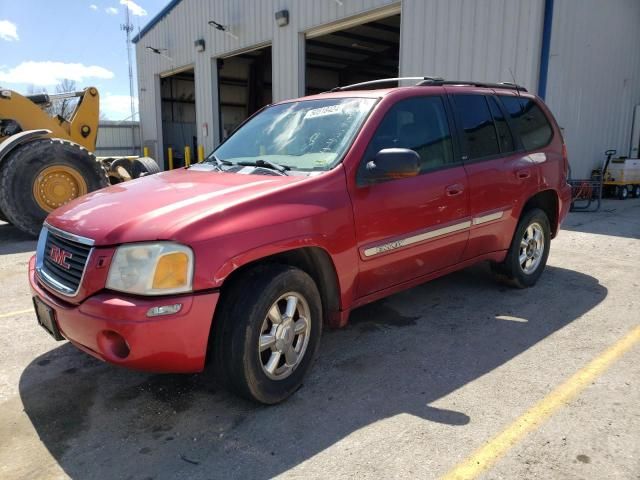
[(252, 21), (594, 77), (438, 36), (116, 139), (483, 40)]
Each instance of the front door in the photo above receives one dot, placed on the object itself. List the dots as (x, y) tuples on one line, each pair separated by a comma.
[(410, 227)]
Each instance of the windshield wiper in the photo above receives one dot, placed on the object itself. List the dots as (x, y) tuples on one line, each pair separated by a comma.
[(266, 164), (219, 163)]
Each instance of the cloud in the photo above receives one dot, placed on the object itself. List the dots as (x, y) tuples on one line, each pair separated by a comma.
[(117, 107), (51, 73), (111, 10), (93, 7), (9, 31), (134, 8)]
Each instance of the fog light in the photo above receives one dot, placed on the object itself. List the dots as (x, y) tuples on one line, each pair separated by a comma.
[(164, 310), (113, 345)]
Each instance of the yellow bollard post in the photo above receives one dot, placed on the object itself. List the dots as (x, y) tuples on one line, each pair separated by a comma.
[(170, 157), (145, 152), (200, 153), (187, 156)]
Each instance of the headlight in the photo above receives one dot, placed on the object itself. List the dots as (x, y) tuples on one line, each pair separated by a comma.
[(158, 268)]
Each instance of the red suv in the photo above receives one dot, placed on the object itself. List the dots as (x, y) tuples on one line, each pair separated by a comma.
[(312, 208)]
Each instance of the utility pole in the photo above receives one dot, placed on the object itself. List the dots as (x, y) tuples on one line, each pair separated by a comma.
[(127, 27)]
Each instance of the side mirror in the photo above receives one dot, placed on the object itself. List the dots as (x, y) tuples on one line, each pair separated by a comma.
[(393, 163)]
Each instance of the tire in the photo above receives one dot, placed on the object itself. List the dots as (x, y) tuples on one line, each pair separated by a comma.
[(120, 162), (23, 168), (3, 217), (240, 324), (143, 166), (623, 192), (511, 270), (636, 192)]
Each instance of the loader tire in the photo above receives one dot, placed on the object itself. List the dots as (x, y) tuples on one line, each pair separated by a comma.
[(44, 174), (3, 217)]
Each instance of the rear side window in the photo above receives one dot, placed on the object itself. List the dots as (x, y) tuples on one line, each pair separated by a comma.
[(504, 135), (529, 121), (477, 124), (419, 124)]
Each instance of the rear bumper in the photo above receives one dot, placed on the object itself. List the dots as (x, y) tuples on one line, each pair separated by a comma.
[(115, 328), (565, 203)]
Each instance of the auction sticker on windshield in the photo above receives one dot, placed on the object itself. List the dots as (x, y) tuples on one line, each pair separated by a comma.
[(322, 111)]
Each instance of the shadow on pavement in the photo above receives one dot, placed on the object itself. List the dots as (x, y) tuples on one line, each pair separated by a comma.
[(620, 218), (397, 356), (13, 240)]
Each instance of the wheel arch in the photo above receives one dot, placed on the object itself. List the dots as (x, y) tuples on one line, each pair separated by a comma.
[(18, 139), (548, 202), (313, 260)]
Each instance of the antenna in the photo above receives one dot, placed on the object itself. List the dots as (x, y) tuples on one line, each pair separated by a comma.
[(513, 77), (127, 27)]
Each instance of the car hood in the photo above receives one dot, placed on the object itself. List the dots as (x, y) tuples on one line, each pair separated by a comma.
[(159, 206)]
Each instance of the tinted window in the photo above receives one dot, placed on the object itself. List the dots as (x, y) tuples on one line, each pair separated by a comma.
[(419, 124), (504, 135), (529, 121), (479, 131)]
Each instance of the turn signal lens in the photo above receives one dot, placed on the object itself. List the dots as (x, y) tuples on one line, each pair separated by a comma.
[(158, 268), (171, 271)]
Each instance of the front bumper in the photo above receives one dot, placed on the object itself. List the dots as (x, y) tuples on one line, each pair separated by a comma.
[(115, 328)]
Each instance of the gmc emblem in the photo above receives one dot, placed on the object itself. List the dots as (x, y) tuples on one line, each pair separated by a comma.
[(59, 257)]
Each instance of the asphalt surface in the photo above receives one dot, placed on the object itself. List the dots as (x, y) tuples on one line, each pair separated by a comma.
[(410, 389)]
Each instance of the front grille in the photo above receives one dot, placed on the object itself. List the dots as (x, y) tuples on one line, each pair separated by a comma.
[(68, 252)]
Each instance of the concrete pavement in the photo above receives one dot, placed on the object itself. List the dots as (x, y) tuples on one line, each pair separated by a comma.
[(414, 386)]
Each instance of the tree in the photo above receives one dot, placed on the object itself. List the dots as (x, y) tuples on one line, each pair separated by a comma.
[(64, 107)]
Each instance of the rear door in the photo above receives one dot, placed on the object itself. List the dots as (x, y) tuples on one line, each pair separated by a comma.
[(497, 170), (411, 227)]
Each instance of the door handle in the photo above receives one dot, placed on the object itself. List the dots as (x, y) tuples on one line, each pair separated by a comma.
[(454, 190), (522, 174)]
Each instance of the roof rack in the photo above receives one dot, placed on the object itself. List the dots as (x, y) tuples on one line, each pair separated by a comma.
[(432, 82), (356, 86), (471, 83)]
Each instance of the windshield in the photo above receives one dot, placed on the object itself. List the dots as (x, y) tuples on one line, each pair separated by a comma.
[(305, 135)]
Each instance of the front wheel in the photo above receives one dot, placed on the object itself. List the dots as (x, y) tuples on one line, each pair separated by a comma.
[(529, 250), (268, 332), (42, 175)]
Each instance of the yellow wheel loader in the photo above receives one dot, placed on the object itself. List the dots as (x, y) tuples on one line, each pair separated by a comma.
[(47, 161)]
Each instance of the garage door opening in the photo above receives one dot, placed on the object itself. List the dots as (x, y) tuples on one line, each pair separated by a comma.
[(244, 83), (178, 94), (357, 54)]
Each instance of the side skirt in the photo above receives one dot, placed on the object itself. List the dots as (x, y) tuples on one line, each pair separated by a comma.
[(343, 319)]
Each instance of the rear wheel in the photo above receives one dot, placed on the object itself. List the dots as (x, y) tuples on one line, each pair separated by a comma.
[(636, 191), (267, 333), (623, 192), (529, 250), (45, 174)]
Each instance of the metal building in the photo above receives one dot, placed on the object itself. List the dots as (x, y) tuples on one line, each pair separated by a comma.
[(204, 66), (118, 139)]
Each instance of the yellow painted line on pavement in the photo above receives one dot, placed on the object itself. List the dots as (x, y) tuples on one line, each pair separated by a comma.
[(13, 314), (494, 449)]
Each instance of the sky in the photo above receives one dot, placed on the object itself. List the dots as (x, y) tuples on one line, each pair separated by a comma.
[(46, 41)]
